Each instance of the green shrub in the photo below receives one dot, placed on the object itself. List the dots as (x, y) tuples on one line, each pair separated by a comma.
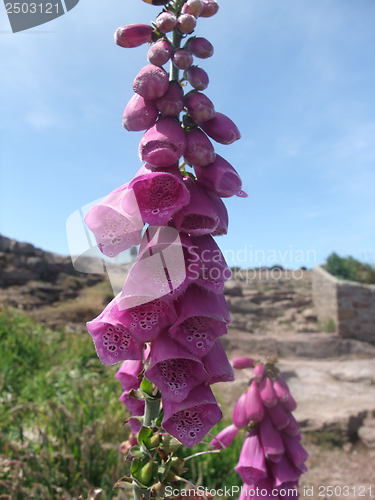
[(348, 268)]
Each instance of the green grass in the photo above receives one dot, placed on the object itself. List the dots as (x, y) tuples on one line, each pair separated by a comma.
[(351, 269)]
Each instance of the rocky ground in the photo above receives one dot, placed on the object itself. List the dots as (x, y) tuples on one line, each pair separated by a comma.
[(332, 379)]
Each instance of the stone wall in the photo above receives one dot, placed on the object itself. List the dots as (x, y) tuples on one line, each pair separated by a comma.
[(350, 304)]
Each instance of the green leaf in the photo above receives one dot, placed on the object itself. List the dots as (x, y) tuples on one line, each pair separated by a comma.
[(147, 387)]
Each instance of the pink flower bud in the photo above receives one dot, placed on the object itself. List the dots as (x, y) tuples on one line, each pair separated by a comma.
[(128, 374), (253, 403), (240, 419), (210, 7), (172, 102), (252, 464), (199, 106), (159, 53), (134, 405), (193, 7), (284, 471), (222, 212), (139, 114), (272, 443), (182, 59), (151, 82), (294, 450), (163, 144), (133, 35), (135, 425), (166, 22), (225, 437), (200, 47), (221, 129), (290, 404), (199, 149), (258, 372), (220, 179), (197, 77), (217, 365), (292, 429), (186, 23), (267, 392), (279, 417), (242, 362), (281, 389)]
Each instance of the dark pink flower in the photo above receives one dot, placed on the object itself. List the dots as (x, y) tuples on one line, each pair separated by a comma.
[(201, 215), (225, 437), (133, 35), (282, 390), (134, 405), (272, 443), (139, 114), (267, 392), (253, 403), (128, 374), (186, 23), (135, 425), (199, 106), (217, 365), (151, 82), (112, 339), (284, 471), (193, 7), (199, 149), (174, 370), (191, 419), (200, 47), (292, 429), (278, 416), (222, 227), (159, 192), (240, 419), (242, 362), (290, 404), (160, 53), (258, 372), (210, 8), (182, 59), (197, 77), (202, 316), (166, 22), (114, 229), (222, 129), (252, 465), (164, 143), (294, 450), (172, 102), (220, 178)]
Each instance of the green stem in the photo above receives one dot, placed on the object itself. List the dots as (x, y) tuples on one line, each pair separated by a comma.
[(151, 411), (175, 72)]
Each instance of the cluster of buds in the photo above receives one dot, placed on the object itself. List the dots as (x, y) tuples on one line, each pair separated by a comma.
[(166, 322), (272, 457)]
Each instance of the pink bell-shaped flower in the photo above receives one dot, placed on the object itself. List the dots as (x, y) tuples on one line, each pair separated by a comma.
[(190, 420), (253, 403), (199, 106), (174, 370), (267, 392), (240, 419), (182, 59), (197, 78), (139, 114), (134, 405), (199, 149), (211, 271), (202, 316), (258, 372), (217, 365), (294, 450), (220, 178), (222, 212), (159, 53), (172, 102), (193, 7), (128, 374), (201, 215), (272, 443), (251, 465), (160, 192), (222, 129), (114, 229), (210, 8), (225, 437), (200, 47), (166, 22), (133, 35), (113, 342), (242, 362), (151, 82), (279, 417), (284, 471), (292, 429), (164, 143)]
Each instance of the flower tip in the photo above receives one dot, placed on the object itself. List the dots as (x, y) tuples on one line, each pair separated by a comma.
[(242, 194)]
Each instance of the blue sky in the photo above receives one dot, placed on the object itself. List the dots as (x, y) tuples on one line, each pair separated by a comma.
[(297, 77)]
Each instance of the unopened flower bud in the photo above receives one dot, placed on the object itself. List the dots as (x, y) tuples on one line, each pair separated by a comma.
[(258, 372), (197, 78), (193, 7), (221, 128), (199, 106), (139, 114), (151, 82), (133, 35), (186, 23), (160, 53), (210, 8), (199, 149), (253, 403), (225, 437), (267, 392), (200, 47), (172, 102), (240, 419), (182, 59), (166, 22), (242, 362), (163, 144)]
